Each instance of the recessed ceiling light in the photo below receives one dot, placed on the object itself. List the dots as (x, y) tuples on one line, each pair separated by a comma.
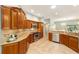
[(53, 6)]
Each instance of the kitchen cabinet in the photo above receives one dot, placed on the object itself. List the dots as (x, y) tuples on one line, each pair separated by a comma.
[(29, 24), (73, 43), (10, 48), (69, 41), (25, 24), (20, 20), (40, 28), (64, 39), (23, 19), (22, 46), (31, 38), (50, 36), (6, 19), (14, 19), (17, 10)]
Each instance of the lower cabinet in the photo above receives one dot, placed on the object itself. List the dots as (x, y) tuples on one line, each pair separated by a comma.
[(73, 43), (50, 36), (10, 48), (64, 39), (30, 38), (22, 46), (70, 41)]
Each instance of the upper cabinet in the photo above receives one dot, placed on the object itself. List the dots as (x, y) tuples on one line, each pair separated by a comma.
[(29, 24), (14, 19), (40, 27), (23, 19), (6, 17)]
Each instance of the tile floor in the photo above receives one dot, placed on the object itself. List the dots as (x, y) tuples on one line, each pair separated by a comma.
[(44, 46)]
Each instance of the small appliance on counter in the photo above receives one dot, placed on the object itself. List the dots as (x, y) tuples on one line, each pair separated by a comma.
[(12, 37)]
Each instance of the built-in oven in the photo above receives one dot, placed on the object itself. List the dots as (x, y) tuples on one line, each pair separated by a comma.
[(37, 36), (34, 26)]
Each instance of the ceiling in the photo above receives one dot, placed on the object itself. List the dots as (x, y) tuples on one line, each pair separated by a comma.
[(61, 11)]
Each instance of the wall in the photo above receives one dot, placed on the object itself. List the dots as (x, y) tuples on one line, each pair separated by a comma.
[(1, 34), (0, 30), (62, 25), (0, 22)]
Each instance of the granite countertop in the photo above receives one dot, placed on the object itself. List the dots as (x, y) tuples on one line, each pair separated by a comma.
[(66, 33), (21, 35), (71, 34)]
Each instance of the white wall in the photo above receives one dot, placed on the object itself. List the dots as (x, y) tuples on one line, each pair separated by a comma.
[(62, 25), (0, 30), (0, 17)]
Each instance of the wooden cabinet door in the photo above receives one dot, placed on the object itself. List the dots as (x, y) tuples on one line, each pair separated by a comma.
[(20, 21), (73, 43), (22, 18), (50, 36), (40, 28), (27, 43), (30, 38), (10, 48), (14, 19), (22, 46), (6, 17), (29, 24), (64, 39), (26, 24)]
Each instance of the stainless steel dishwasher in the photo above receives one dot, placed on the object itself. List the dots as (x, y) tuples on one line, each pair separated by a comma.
[(55, 37)]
